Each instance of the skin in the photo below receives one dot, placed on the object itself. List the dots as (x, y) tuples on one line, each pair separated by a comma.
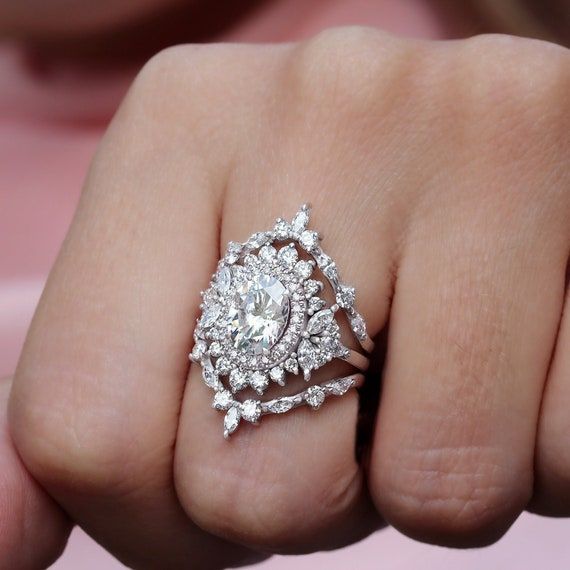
[(28, 516), (438, 174)]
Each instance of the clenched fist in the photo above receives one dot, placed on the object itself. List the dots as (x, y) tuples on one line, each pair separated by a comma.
[(439, 173)]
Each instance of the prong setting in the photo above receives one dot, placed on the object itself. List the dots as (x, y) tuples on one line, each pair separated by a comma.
[(263, 318)]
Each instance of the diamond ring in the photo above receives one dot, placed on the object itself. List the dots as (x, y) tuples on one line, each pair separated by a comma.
[(263, 317)]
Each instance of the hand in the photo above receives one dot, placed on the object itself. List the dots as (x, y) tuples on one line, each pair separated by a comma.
[(439, 174)]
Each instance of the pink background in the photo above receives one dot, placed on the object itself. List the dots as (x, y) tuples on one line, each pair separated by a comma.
[(51, 118)]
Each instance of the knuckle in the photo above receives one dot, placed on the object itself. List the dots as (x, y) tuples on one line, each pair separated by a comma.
[(343, 71), (167, 108), (147, 124), (504, 100), (520, 85), (180, 69), (163, 65), (266, 507), (155, 98), (198, 78), (199, 98), (452, 495)]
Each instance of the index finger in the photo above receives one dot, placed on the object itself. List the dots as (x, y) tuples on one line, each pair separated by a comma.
[(98, 388)]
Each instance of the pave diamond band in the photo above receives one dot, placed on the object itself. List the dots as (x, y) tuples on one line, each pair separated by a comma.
[(263, 318)]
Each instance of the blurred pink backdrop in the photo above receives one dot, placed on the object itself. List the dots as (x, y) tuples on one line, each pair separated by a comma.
[(51, 118)]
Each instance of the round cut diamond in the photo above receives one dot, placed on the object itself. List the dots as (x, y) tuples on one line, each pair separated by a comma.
[(251, 410), (222, 400), (315, 396), (238, 380), (259, 314), (277, 374), (288, 255)]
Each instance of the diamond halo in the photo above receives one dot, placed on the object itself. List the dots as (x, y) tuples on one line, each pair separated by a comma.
[(263, 318)]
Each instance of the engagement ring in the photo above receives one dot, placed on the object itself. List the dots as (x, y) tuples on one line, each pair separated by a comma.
[(264, 318)]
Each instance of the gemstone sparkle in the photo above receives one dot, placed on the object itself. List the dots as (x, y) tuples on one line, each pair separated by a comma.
[(259, 314)]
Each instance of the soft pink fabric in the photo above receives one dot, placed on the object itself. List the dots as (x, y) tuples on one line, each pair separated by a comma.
[(51, 118)]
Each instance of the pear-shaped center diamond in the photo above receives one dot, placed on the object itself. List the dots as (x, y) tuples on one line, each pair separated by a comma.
[(259, 314)]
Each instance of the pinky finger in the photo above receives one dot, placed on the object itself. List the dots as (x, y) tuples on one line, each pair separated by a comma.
[(33, 529)]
